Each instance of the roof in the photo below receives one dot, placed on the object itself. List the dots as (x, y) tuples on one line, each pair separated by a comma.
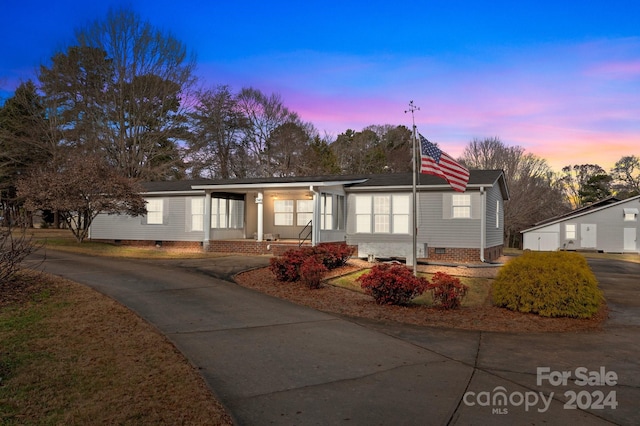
[(477, 178), (590, 206), (603, 204)]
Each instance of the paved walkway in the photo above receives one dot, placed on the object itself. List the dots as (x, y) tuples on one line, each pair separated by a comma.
[(273, 362)]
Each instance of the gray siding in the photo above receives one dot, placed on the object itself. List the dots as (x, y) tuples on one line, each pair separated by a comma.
[(494, 235), (438, 228), (175, 226), (609, 231)]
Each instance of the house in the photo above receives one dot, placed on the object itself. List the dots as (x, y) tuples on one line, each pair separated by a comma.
[(610, 225), (371, 212)]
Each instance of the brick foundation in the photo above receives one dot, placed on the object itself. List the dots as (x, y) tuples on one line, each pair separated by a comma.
[(463, 255), (251, 247), (150, 243)]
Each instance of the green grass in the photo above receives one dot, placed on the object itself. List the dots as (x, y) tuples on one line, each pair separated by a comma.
[(476, 296), (63, 240)]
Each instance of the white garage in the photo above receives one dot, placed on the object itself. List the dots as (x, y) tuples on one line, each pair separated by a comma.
[(546, 239), (610, 225)]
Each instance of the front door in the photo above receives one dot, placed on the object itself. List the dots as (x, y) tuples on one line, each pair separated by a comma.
[(588, 235), (630, 239)]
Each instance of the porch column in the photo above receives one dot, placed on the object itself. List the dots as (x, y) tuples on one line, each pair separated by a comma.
[(316, 216), (207, 220), (259, 199)]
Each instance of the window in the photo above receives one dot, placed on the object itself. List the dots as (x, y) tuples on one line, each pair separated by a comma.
[(197, 214), (304, 212), (283, 212), (570, 231), (340, 212), (326, 211), (630, 215), (400, 214), (219, 212), (363, 213), (497, 213), (236, 214), (227, 213), (461, 206), (382, 214), (155, 211)]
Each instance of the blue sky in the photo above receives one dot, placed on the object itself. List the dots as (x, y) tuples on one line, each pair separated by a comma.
[(561, 79)]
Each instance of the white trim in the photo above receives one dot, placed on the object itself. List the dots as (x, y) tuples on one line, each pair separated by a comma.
[(580, 214)]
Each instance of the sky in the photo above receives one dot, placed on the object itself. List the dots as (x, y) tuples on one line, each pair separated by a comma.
[(559, 78)]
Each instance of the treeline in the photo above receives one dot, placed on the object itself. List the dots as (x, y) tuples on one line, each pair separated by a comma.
[(124, 96)]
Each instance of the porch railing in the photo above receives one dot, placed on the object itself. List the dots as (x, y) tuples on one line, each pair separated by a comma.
[(305, 234)]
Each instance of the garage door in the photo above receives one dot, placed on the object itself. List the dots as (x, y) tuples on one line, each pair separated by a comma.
[(541, 241)]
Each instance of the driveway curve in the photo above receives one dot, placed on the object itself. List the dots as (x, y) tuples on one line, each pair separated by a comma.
[(273, 362)]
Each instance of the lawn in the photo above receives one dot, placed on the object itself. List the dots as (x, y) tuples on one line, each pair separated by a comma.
[(69, 355), (63, 240)]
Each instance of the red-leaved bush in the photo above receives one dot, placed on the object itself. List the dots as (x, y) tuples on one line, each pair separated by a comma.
[(447, 291), (392, 284), (288, 266), (311, 271)]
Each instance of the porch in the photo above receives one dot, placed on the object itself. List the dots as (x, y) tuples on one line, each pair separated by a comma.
[(255, 247)]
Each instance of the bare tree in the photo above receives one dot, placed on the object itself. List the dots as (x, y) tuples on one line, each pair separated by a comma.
[(535, 193), (264, 115), (81, 187), (626, 176), (121, 92), (14, 249), (217, 126)]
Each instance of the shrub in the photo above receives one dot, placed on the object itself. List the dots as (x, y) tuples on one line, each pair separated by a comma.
[(14, 249), (392, 284), (553, 284), (447, 291), (331, 255), (287, 266), (311, 271), (334, 255)]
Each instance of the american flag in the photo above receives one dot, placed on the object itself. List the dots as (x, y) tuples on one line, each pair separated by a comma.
[(435, 162)]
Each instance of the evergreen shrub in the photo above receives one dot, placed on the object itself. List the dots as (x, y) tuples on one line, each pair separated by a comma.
[(550, 284)]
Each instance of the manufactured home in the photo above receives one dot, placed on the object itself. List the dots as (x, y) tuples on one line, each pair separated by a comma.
[(609, 226), (374, 213)]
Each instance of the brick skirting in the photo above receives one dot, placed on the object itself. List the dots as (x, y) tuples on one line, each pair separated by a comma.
[(463, 255), (277, 248)]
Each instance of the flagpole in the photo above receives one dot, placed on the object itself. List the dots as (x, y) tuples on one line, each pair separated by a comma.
[(412, 109)]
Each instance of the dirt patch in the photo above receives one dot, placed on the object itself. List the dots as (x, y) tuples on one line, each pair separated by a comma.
[(354, 304)]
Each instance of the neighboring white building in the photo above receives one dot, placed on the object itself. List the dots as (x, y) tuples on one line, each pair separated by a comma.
[(610, 226)]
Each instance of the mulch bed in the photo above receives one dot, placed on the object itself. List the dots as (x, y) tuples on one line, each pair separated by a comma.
[(346, 302)]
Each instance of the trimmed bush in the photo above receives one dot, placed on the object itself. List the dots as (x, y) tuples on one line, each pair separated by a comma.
[(550, 284), (311, 271), (287, 266), (447, 291), (391, 284), (331, 255), (334, 255)]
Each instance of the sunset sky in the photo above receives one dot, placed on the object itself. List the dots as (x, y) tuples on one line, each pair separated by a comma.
[(561, 79)]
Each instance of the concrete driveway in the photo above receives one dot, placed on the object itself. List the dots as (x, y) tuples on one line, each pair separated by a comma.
[(273, 362)]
